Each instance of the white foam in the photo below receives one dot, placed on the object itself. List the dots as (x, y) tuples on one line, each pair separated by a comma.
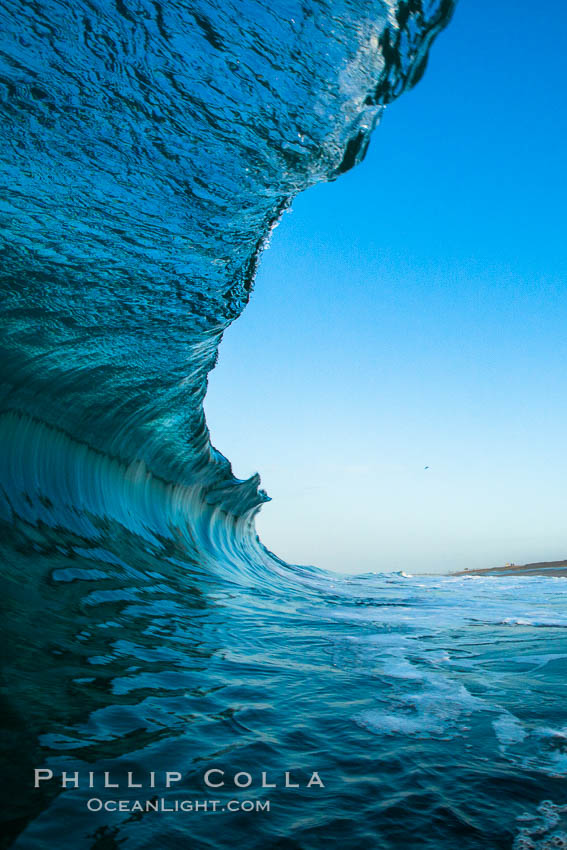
[(509, 730), (546, 829), (436, 710)]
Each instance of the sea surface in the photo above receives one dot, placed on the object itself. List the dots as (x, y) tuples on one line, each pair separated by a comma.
[(147, 151)]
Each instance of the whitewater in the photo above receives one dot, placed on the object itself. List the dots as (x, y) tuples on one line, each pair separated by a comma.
[(147, 151)]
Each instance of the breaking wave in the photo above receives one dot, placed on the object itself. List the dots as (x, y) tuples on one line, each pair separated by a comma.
[(148, 151)]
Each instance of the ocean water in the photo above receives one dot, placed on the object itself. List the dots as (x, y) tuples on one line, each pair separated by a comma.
[(147, 150)]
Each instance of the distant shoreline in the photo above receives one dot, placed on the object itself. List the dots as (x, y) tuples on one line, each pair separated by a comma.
[(540, 568)]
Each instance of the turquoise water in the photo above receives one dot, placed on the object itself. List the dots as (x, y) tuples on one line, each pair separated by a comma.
[(147, 151), (432, 708)]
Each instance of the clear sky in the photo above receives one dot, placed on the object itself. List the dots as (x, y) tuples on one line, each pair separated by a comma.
[(413, 314)]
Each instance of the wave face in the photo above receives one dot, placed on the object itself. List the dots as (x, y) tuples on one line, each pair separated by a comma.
[(148, 150)]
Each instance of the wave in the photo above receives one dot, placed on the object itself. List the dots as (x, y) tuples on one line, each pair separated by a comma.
[(149, 152)]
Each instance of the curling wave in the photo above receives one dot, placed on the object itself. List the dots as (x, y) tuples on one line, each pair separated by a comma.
[(148, 151)]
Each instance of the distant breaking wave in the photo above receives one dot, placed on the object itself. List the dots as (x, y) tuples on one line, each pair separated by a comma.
[(148, 149)]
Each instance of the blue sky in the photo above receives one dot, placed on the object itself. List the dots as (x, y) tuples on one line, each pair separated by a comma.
[(414, 313)]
